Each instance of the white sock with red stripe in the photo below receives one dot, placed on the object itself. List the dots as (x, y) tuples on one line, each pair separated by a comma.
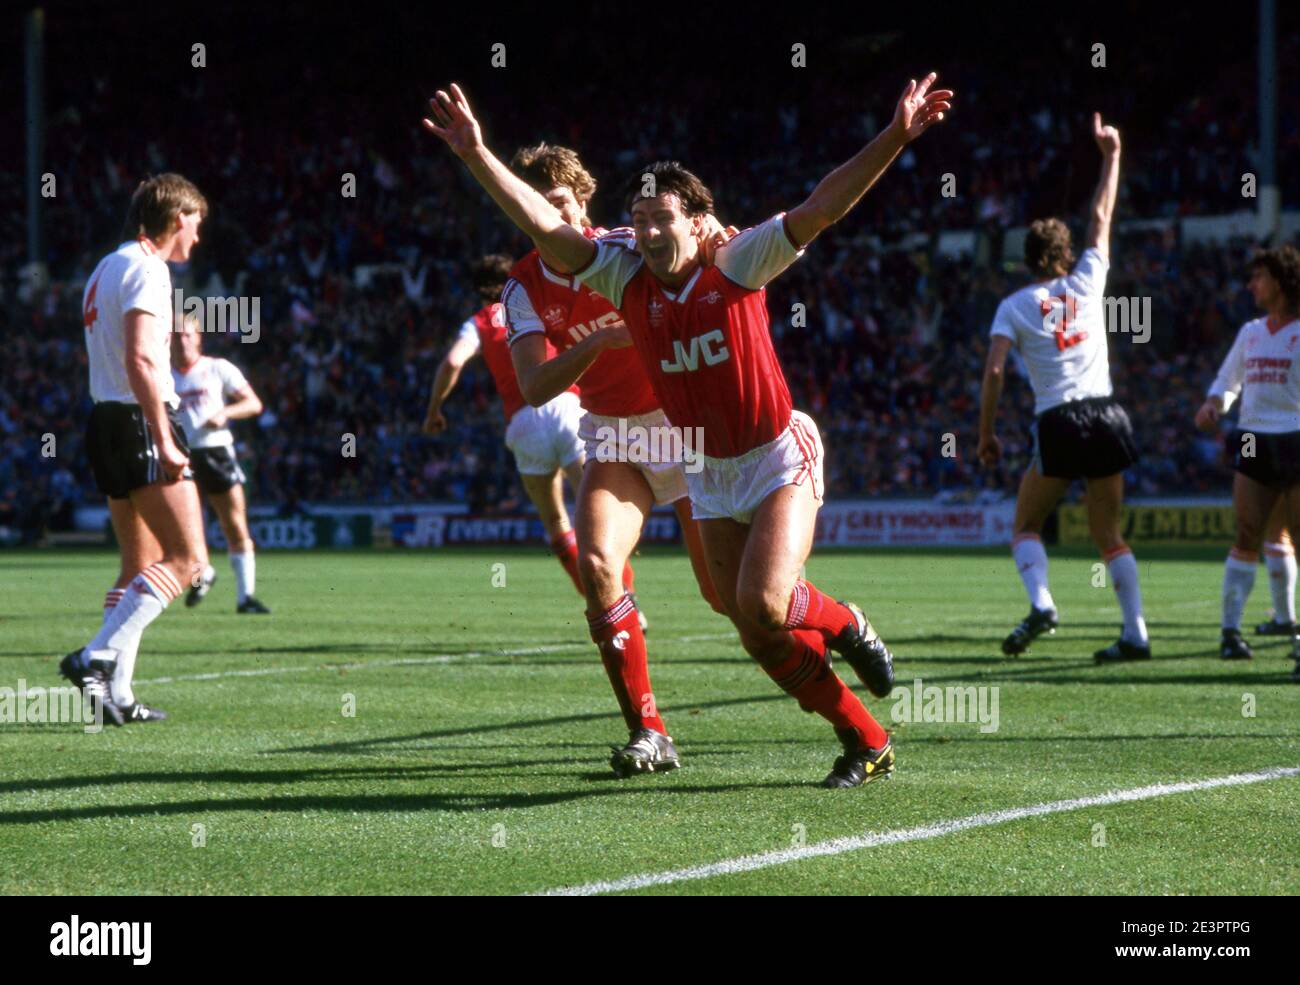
[(1238, 580), (1124, 577), (149, 593), (1279, 559), (1031, 560), (245, 575), (111, 598), (124, 668)]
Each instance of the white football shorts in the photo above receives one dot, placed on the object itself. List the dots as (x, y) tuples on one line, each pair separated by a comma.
[(545, 438), (733, 488)]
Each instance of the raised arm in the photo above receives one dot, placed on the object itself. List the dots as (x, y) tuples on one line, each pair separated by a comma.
[(451, 119), (1103, 199), (839, 191)]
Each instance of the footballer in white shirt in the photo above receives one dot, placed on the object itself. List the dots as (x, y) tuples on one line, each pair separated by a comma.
[(1058, 326), (1263, 365), (213, 392), (138, 454)]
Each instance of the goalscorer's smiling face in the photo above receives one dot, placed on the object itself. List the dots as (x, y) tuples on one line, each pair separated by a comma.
[(666, 237)]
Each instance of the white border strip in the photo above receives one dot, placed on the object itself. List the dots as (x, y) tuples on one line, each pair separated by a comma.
[(838, 846)]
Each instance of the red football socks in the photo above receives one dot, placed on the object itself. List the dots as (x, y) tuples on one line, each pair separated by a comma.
[(810, 609), (617, 632), (807, 677), (565, 547)]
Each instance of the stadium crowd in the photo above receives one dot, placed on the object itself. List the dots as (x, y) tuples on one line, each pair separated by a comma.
[(359, 295)]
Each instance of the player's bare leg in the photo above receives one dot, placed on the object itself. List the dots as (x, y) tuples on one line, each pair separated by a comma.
[(172, 514), (232, 513), (1035, 501), (772, 592), (573, 473), (546, 493), (1252, 502), (695, 551), (1279, 560), (613, 502), (795, 659), (1105, 498), (138, 546)]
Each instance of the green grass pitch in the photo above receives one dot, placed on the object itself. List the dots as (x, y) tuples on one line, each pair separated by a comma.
[(476, 760)]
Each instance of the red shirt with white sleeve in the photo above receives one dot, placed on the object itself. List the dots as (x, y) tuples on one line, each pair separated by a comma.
[(539, 300), (707, 346), (486, 330)]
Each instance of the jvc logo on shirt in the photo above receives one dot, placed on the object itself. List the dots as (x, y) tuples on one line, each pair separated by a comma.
[(608, 320), (80, 940), (686, 359)]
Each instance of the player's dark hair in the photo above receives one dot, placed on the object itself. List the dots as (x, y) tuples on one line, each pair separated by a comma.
[(1283, 264), (157, 202), (669, 177), (1047, 248), (489, 274), (545, 166)]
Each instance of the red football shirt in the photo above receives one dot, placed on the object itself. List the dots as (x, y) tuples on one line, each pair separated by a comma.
[(537, 299), (707, 346), (488, 328)]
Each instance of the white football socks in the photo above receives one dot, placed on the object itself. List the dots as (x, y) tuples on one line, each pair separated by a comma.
[(1238, 580), (143, 601), (245, 575), (124, 667), (1279, 559), (1031, 561), (1124, 577)]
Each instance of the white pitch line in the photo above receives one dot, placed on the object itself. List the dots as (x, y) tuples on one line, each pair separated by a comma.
[(838, 846), (438, 658)]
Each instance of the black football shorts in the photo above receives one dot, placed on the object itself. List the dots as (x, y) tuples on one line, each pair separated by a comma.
[(1084, 439)]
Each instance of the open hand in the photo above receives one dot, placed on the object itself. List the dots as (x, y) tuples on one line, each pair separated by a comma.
[(451, 119), (919, 108)]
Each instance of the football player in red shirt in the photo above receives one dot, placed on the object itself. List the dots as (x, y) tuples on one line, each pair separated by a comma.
[(560, 331), (544, 439), (703, 336)]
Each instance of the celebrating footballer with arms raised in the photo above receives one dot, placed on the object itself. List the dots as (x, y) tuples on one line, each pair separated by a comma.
[(702, 333), (561, 330), (1058, 326)]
